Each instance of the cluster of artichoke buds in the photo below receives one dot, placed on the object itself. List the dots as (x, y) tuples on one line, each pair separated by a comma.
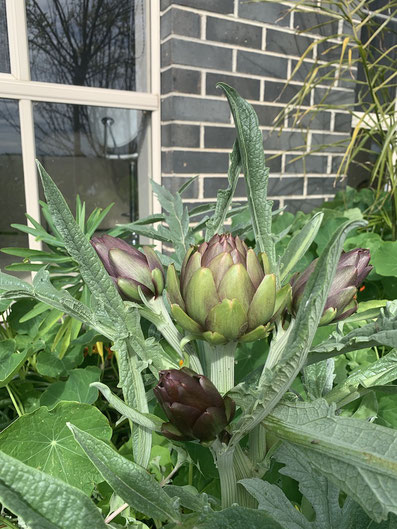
[(223, 293), (350, 273), (130, 268), (193, 405)]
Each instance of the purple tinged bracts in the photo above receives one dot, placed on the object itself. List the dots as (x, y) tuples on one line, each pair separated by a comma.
[(193, 405), (353, 267), (130, 268), (223, 293)]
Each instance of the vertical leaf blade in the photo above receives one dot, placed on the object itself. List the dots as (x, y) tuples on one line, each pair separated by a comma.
[(225, 196), (129, 480), (80, 249), (256, 173)]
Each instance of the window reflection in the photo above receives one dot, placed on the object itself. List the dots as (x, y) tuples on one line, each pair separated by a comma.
[(93, 152), (88, 42), (4, 52), (12, 196)]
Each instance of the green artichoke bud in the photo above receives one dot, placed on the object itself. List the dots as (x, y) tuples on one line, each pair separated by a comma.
[(341, 303), (223, 293), (130, 268), (193, 405)]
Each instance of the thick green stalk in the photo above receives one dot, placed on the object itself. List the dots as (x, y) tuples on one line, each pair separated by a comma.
[(223, 457), (243, 469), (257, 444), (220, 365), (134, 393)]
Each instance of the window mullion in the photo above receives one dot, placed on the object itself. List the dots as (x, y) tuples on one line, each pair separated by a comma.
[(20, 69), (153, 8)]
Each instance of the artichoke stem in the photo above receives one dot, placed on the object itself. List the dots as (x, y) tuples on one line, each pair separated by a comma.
[(227, 475), (257, 444), (220, 365), (243, 469)]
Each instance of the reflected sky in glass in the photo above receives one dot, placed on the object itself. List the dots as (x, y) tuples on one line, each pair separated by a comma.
[(86, 42), (12, 196), (93, 152)]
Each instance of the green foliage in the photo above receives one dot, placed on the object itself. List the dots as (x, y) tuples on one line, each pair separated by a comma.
[(130, 481), (356, 456), (64, 337), (42, 440), (43, 501)]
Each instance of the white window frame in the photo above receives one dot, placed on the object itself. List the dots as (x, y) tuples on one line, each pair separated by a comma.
[(18, 85)]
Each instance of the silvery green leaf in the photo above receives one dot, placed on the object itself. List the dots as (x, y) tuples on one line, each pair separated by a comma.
[(80, 249), (272, 499), (177, 219), (381, 332), (321, 493), (146, 420), (299, 244), (130, 481), (42, 501), (256, 173), (318, 378), (224, 196), (379, 373), (358, 457)]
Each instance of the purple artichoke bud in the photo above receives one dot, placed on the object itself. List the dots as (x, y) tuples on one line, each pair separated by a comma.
[(193, 405), (130, 268), (223, 293), (341, 303)]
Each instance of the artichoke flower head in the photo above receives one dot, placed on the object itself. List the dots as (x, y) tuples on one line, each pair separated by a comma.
[(193, 405), (223, 293), (353, 267), (130, 268)]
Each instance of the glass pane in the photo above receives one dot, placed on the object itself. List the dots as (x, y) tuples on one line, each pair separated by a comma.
[(93, 152), (12, 196), (89, 43), (4, 52)]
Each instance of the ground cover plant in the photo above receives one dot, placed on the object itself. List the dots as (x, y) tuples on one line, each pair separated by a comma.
[(225, 392)]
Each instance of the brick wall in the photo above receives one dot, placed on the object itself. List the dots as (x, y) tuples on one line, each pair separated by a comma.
[(253, 47)]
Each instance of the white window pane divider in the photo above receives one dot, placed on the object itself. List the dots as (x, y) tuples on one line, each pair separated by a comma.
[(18, 85), (20, 69), (153, 7)]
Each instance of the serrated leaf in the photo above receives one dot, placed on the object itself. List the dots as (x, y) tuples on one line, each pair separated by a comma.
[(236, 518), (42, 501), (379, 373), (299, 244), (225, 196), (381, 332), (273, 500), (80, 249), (358, 457), (318, 378), (250, 143), (177, 219), (129, 480), (321, 493), (42, 440)]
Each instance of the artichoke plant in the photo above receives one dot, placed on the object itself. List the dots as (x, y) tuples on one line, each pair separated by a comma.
[(353, 267), (130, 268), (223, 293), (193, 405)]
